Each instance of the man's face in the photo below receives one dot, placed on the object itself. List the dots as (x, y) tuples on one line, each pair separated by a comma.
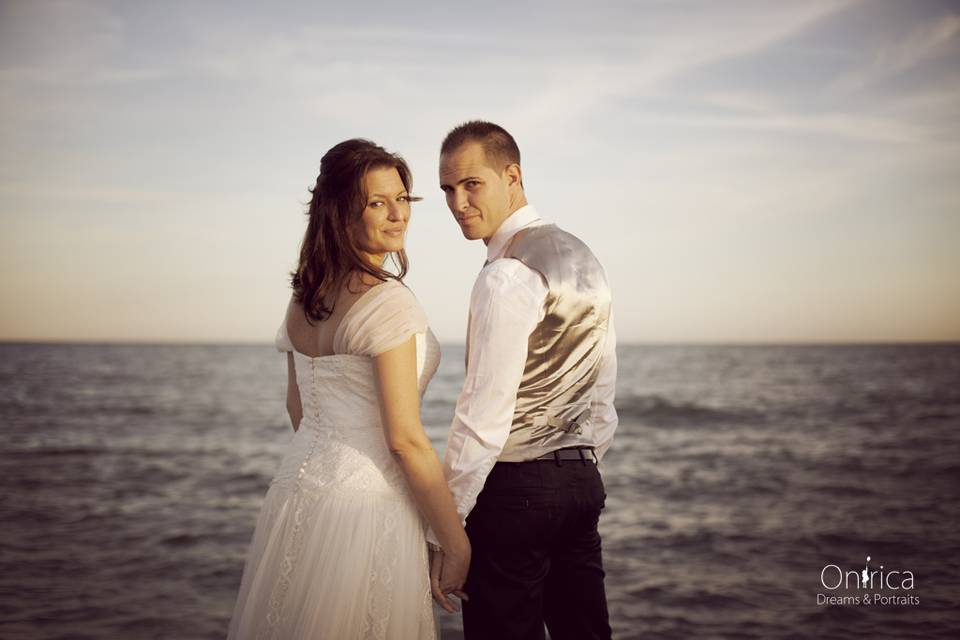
[(477, 195)]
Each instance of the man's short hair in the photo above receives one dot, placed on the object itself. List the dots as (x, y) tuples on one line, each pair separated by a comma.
[(499, 147)]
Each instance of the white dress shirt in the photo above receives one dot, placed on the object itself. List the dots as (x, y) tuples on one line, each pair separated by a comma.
[(506, 304)]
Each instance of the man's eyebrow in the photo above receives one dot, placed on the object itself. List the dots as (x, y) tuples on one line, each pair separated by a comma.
[(461, 181)]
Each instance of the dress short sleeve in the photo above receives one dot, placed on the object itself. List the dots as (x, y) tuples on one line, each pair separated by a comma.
[(383, 319), (282, 340)]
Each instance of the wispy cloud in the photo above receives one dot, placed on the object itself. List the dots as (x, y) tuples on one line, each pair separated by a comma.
[(744, 111), (926, 42)]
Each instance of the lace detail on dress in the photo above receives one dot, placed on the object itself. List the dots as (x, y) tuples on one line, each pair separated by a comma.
[(426, 600), (381, 580), (287, 565)]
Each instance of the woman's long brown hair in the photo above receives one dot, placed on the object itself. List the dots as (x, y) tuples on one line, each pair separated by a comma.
[(329, 251)]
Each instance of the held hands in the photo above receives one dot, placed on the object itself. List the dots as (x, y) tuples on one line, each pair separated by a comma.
[(448, 573)]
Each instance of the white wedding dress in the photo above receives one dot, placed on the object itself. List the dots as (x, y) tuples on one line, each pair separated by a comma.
[(339, 551)]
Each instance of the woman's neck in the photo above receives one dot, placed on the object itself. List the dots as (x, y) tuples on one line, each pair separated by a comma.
[(375, 259), (360, 280)]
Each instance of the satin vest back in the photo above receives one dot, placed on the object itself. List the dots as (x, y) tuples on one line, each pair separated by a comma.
[(563, 351)]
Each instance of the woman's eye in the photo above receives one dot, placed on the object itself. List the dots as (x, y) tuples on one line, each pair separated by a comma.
[(376, 203), (403, 199)]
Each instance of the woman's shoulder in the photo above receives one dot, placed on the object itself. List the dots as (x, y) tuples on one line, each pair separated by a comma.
[(388, 312), (391, 295)]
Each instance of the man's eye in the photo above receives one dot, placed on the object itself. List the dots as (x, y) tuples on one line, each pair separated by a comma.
[(472, 183)]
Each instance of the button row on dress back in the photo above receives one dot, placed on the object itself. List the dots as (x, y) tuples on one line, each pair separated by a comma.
[(316, 414)]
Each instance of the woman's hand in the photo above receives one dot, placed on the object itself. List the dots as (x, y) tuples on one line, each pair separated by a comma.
[(448, 574)]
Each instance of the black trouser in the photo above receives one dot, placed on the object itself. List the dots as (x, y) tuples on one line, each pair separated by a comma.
[(536, 554)]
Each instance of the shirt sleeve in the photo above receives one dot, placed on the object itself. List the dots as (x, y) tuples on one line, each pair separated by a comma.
[(604, 414), (505, 306)]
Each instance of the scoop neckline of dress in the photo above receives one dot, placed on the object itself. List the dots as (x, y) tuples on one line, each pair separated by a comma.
[(336, 333)]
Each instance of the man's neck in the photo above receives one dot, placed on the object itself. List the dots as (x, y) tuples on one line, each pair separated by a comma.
[(521, 203)]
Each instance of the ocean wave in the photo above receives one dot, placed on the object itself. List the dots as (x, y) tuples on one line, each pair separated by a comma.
[(655, 410)]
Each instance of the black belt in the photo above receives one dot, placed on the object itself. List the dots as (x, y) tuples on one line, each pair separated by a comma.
[(584, 454)]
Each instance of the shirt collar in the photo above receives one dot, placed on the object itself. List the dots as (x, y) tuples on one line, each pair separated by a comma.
[(522, 217)]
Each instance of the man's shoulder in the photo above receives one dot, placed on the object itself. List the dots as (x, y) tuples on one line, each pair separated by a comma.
[(550, 233), (549, 242), (502, 271), (507, 276)]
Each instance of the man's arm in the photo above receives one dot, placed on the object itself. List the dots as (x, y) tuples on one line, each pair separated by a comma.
[(602, 411), (505, 307)]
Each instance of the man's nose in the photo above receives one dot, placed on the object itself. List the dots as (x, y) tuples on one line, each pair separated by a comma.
[(460, 202)]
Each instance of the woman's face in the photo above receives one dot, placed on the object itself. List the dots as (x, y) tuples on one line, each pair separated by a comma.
[(384, 220)]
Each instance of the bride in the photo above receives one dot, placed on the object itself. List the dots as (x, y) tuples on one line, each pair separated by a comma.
[(338, 551)]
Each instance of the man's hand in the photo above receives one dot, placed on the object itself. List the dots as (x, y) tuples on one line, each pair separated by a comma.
[(447, 578)]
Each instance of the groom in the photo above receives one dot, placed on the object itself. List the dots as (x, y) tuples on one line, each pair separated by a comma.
[(536, 412)]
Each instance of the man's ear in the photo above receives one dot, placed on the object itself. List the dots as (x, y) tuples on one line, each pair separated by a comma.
[(514, 175)]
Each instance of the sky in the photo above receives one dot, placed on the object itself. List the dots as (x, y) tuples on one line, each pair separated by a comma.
[(747, 172)]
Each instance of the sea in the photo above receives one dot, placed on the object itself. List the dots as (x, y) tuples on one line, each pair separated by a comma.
[(767, 492)]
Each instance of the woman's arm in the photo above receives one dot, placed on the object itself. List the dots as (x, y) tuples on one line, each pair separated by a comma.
[(396, 376), (294, 408)]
